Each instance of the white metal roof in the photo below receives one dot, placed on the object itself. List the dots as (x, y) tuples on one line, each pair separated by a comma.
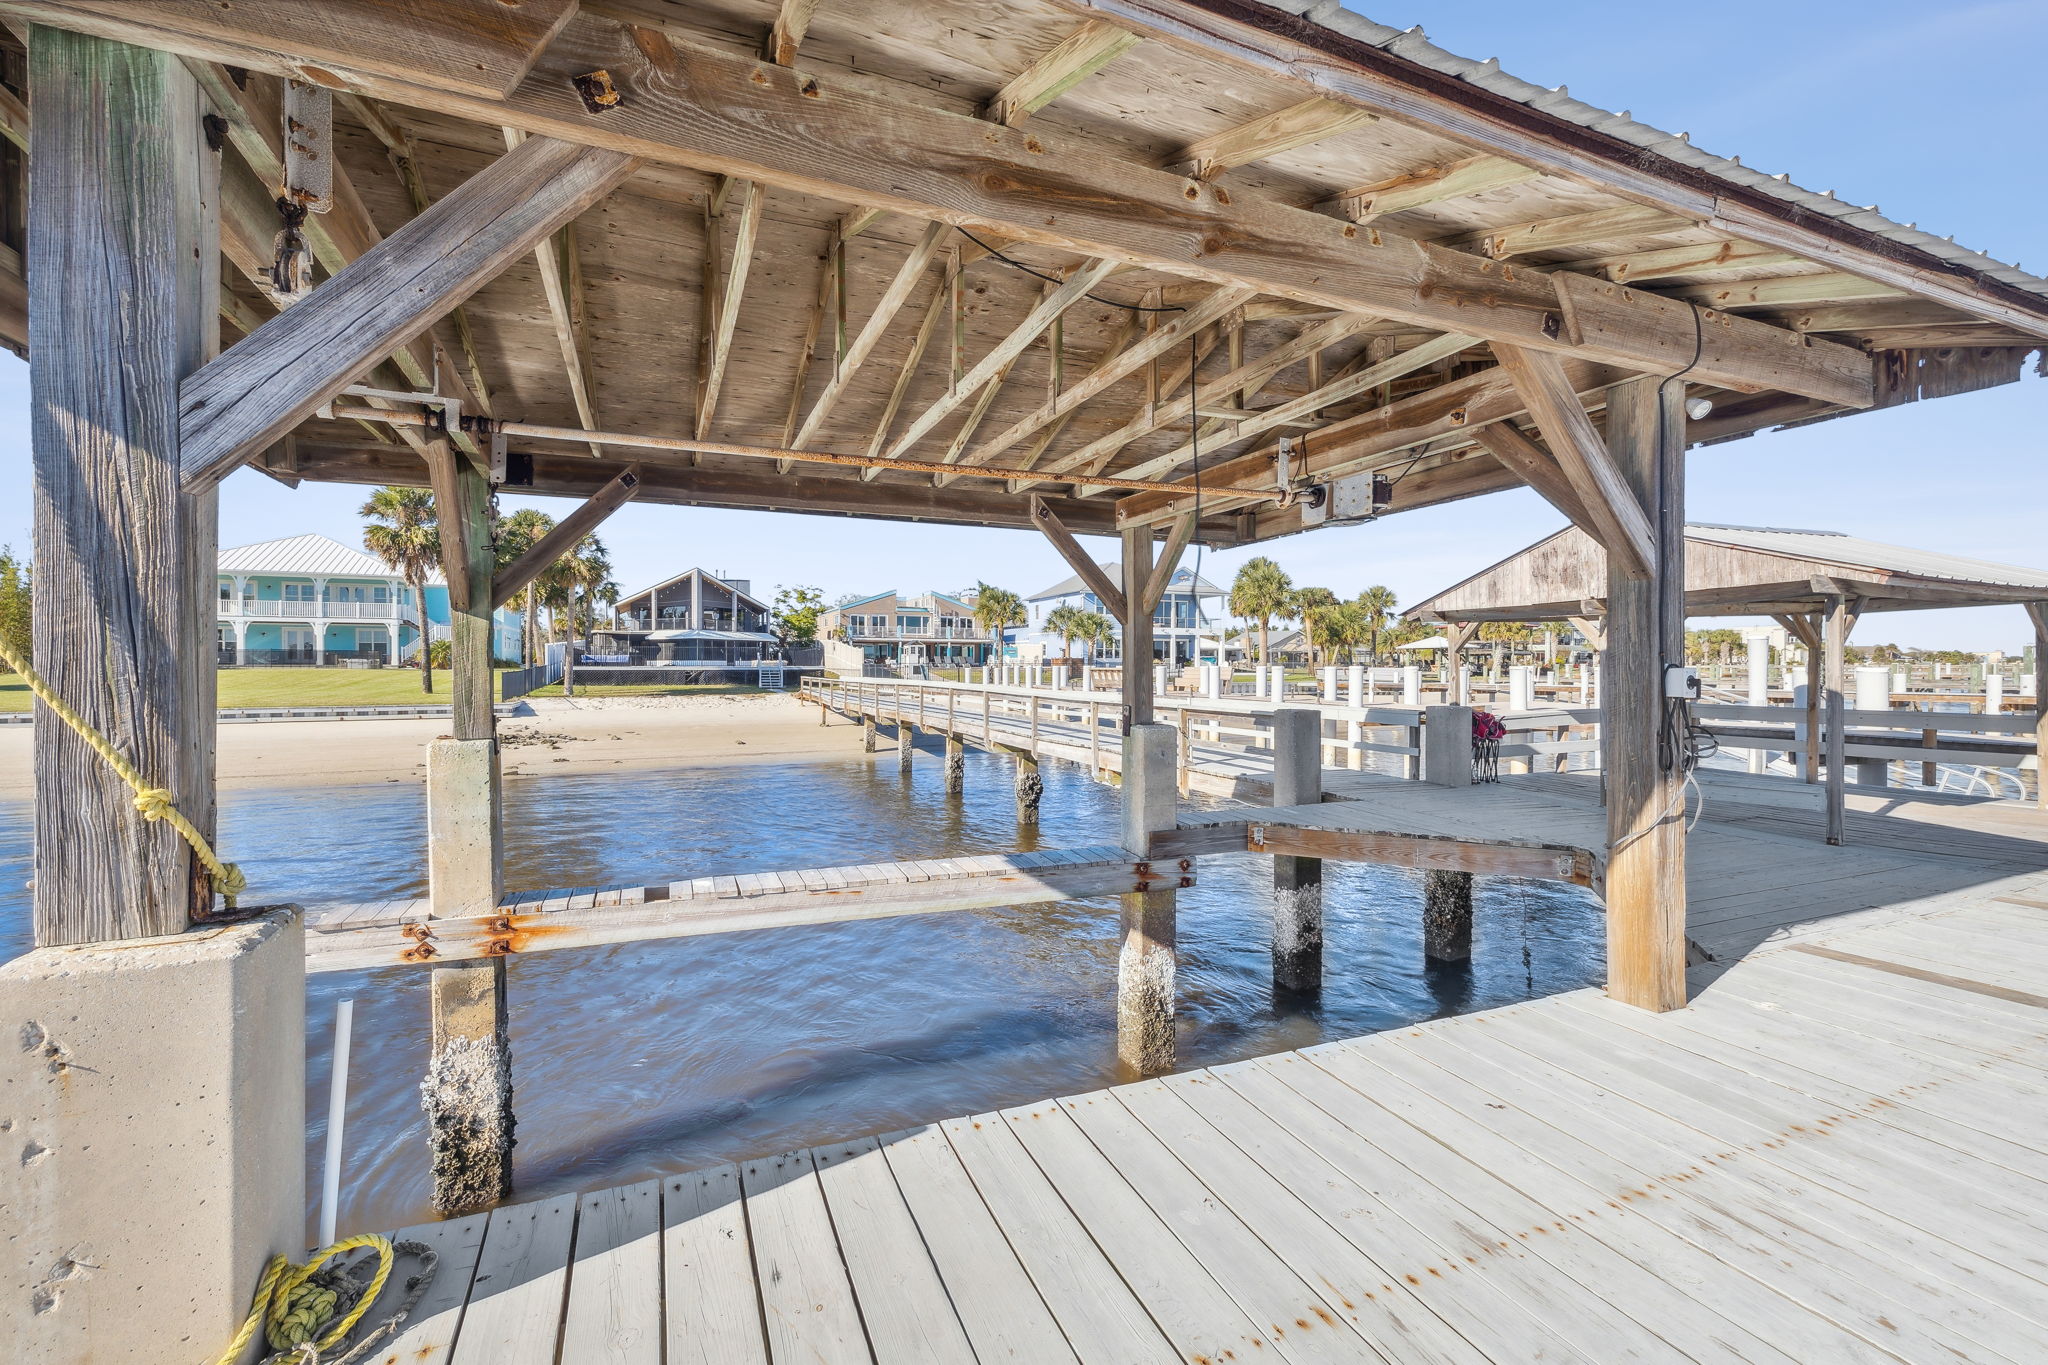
[(1414, 45), (310, 555), (1837, 547)]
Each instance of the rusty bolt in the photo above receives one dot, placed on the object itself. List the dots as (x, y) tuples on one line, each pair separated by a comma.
[(597, 90), (418, 953), (1143, 869), (417, 931), (1144, 885), (500, 925), (1553, 325), (496, 947), (1187, 864), (1187, 881)]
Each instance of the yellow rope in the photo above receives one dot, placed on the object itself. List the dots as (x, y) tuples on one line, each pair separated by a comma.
[(155, 803), (291, 1310)]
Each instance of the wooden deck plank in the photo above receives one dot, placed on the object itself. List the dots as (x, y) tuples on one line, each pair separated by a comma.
[(1103, 1319), (714, 1310), (427, 1337), (515, 1301), (806, 1299), (1785, 1236), (615, 1284), (904, 1303)]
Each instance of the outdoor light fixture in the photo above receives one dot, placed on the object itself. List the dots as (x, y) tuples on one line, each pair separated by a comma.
[(1698, 408)]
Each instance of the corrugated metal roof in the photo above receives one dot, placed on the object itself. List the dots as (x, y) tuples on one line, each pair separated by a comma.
[(1414, 45), (1070, 587), (311, 555), (1853, 552)]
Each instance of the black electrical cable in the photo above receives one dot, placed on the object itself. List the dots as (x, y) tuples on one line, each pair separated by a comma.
[(1681, 743), (1034, 271)]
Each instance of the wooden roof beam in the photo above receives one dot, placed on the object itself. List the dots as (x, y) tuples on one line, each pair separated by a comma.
[(247, 397), (786, 34), (1173, 335), (565, 309), (708, 110), (1301, 411), (901, 286), (1537, 468), (1570, 230), (1623, 527), (1429, 185), (1698, 259), (1283, 130), (1065, 296), (731, 293), (1074, 59), (1787, 291), (1372, 439)]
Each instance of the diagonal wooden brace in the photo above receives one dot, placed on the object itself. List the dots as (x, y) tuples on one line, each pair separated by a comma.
[(243, 400), (514, 577), (1082, 563)]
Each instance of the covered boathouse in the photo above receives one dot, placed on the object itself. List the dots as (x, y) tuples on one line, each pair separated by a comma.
[(1169, 271)]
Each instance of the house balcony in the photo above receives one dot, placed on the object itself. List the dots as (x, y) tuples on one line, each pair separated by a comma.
[(935, 633), (272, 609)]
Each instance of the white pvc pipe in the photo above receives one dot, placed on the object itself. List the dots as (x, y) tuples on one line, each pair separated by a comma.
[(337, 1104)]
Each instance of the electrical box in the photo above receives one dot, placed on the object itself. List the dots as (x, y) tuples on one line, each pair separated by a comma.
[(1356, 497), (1681, 682)]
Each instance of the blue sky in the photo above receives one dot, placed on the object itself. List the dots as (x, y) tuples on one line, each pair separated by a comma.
[(1913, 107)]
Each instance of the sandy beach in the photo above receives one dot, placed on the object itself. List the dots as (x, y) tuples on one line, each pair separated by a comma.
[(559, 736)]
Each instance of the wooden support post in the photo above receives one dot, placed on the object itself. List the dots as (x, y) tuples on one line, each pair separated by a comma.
[(1446, 916), (1145, 964), (906, 746), (956, 764), (123, 284), (1645, 630), (1029, 788), (1137, 628), (2039, 612), (468, 1089), (1834, 641), (867, 733), (1297, 882)]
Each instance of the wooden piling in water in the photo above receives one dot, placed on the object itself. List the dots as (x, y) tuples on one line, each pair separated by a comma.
[(867, 733), (467, 1092), (906, 746), (1029, 787), (1297, 882), (956, 765), (1446, 916)]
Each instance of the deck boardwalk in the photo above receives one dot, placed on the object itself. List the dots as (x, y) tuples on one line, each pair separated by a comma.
[(1836, 1154)]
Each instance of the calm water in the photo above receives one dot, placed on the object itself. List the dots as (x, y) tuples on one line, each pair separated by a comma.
[(640, 1059)]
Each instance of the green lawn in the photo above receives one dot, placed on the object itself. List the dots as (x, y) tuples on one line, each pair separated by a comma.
[(653, 690), (240, 687)]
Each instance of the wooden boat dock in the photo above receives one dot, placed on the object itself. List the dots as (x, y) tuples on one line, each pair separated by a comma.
[(1834, 1154)]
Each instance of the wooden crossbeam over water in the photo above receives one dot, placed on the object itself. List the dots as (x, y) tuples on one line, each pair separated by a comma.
[(391, 933)]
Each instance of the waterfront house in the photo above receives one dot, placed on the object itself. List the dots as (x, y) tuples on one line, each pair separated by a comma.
[(895, 630), (311, 601), (694, 617), (1182, 627)]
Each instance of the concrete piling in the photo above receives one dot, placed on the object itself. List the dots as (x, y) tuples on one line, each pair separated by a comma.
[(1145, 964), (1297, 882), (1447, 916)]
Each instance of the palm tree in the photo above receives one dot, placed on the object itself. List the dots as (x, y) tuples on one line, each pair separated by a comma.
[(586, 579), (517, 534), (994, 610), (1376, 607), (1066, 621), (1301, 604), (405, 534), (1261, 591), (1095, 630)]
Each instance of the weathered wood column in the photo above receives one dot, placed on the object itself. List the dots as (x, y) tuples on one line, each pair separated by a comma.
[(1297, 882), (1145, 964), (1835, 641), (2039, 612), (468, 1089), (154, 1079), (906, 746), (1645, 630), (867, 733), (1446, 916), (1137, 628)]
